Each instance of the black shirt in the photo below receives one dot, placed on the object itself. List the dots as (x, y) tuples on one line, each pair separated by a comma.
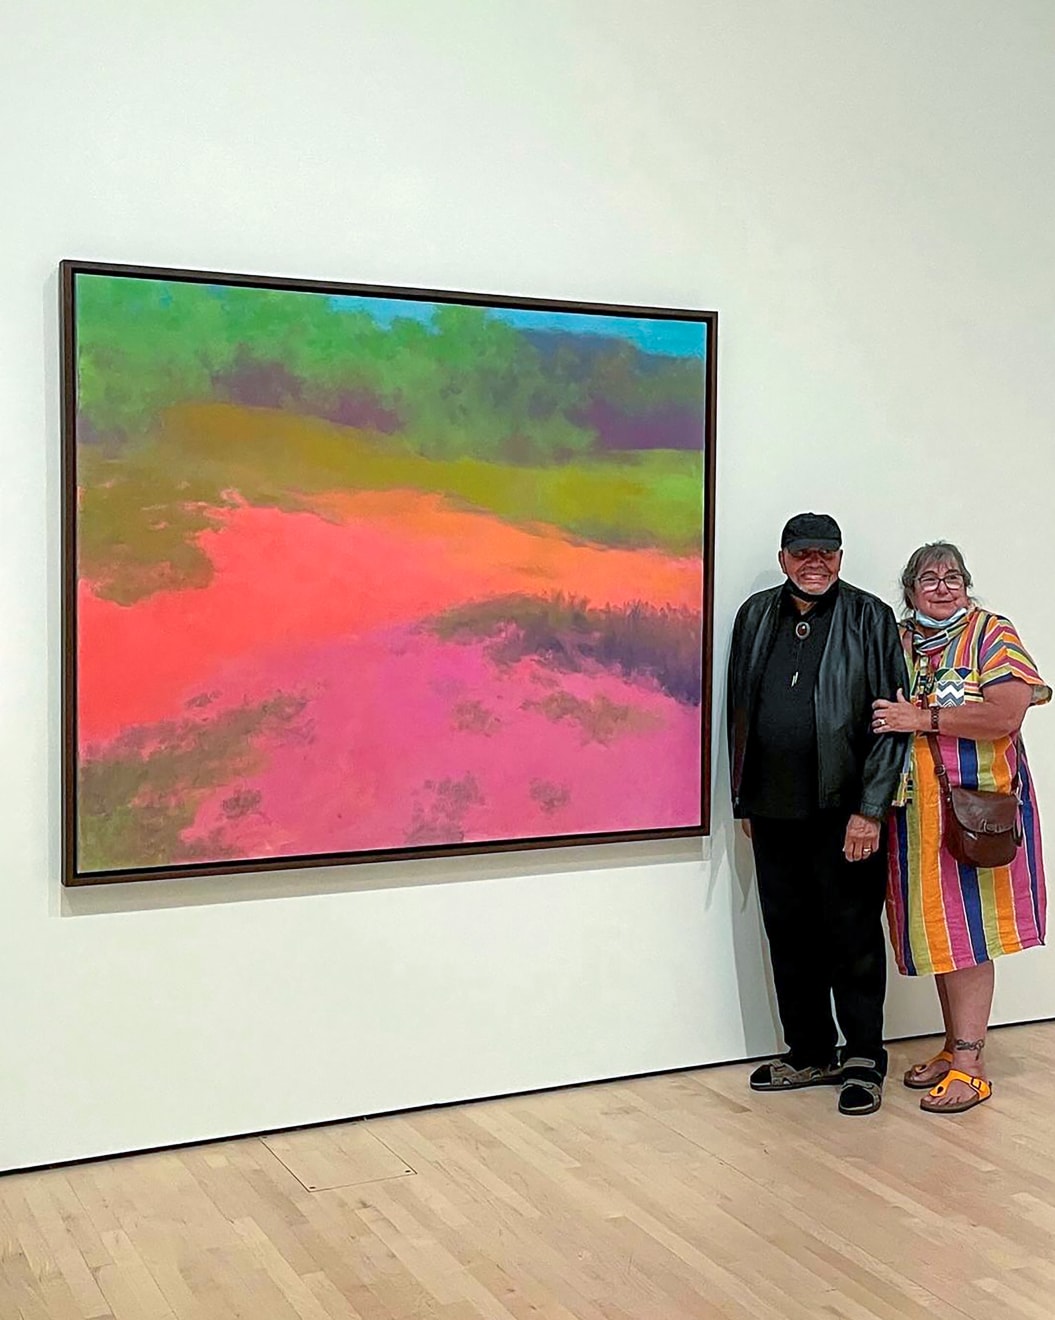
[(780, 764)]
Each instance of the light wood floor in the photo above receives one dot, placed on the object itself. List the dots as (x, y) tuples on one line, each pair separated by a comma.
[(669, 1197)]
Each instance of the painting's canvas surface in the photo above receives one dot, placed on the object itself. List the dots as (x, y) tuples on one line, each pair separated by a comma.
[(359, 573)]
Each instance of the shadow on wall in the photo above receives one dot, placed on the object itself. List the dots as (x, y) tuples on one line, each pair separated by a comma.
[(754, 975), (253, 886)]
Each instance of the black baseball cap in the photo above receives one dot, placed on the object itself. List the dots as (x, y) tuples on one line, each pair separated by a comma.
[(816, 530)]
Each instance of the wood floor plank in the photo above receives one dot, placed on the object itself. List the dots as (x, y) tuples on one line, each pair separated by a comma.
[(681, 1197), (338, 1156), (44, 1200)]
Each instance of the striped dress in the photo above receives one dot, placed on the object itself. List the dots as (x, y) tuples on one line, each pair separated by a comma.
[(944, 915)]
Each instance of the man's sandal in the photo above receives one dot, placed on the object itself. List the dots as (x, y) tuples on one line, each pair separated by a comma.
[(981, 1088), (779, 1075), (912, 1079), (862, 1090)]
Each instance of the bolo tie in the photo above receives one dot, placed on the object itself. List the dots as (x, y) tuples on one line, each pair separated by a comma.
[(802, 631)]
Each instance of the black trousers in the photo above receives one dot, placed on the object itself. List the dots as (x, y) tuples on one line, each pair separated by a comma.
[(823, 918)]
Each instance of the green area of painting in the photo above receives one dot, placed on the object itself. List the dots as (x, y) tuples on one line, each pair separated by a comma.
[(144, 503), (136, 800), (463, 383), (636, 641), (191, 396), (599, 719)]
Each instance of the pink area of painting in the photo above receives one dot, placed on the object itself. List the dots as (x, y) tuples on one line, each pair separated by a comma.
[(379, 559), (407, 741)]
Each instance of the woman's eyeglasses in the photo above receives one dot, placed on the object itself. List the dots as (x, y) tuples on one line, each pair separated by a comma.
[(931, 581)]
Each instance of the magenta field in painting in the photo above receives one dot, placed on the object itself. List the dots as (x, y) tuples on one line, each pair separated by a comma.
[(356, 574)]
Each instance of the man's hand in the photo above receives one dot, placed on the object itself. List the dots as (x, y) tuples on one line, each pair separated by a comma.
[(862, 838), (745, 825)]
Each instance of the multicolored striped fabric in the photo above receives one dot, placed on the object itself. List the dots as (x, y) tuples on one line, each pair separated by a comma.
[(942, 914)]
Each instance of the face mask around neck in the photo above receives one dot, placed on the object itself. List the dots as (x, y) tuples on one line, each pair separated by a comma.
[(926, 621), (805, 596)]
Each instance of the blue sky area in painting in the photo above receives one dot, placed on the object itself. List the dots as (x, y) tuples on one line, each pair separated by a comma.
[(680, 339)]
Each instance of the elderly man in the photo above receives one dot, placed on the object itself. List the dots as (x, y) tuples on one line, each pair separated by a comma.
[(812, 785)]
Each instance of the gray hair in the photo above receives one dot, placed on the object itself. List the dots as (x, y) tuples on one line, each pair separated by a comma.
[(931, 555)]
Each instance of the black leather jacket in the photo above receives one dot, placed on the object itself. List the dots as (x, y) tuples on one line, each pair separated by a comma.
[(858, 771)]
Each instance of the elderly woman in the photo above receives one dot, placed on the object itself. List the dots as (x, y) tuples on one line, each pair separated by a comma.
[(972, 682)]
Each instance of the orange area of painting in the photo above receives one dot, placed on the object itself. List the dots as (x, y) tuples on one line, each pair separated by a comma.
[(363, 562)]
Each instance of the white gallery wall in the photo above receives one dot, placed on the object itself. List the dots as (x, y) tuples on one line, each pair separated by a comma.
[(864, 192)]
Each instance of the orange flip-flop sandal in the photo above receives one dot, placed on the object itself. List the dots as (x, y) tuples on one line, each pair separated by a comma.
[(911, 1081), (981, 1088)]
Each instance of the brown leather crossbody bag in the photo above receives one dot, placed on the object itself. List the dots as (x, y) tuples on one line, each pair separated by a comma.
[(981, 828)]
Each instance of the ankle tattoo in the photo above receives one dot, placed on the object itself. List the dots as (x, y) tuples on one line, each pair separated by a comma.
[(971, 1046)]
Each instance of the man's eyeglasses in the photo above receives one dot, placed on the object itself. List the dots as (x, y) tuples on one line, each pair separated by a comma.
[(931, 581)]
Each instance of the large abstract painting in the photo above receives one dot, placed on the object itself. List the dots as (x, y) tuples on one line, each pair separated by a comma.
[(356, 573)]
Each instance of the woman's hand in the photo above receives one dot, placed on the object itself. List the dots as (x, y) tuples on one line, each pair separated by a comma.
[(899, 716)]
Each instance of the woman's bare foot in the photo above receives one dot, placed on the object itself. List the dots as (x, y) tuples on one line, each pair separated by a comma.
[(922, 1076), (968, 1058), (956, 1093)]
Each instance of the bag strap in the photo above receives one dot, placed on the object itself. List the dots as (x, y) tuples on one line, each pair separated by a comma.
[(939, 768)]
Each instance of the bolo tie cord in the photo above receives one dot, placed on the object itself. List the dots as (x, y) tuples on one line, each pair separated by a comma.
[(802, 631)]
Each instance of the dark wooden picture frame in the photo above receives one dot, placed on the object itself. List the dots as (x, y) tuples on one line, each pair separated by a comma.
[(245, 457)]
